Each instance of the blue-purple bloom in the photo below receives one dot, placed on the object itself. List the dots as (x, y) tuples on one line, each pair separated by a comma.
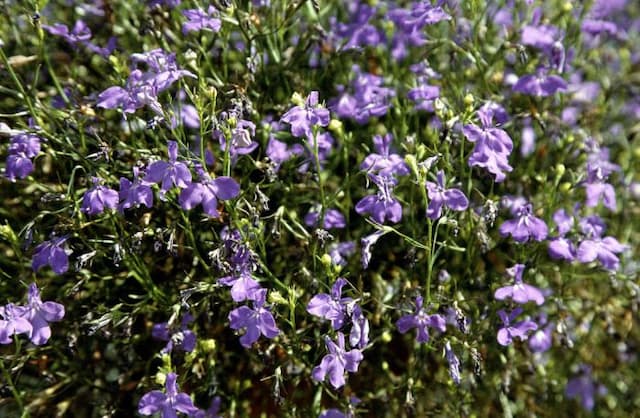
[(39, 314), (167, 403), (336, 362), (135, 193), (171, 173), (332, 307), (540, 84), (303, 118), (383, 162), (182, 338), (98, 198), (440, 197), (383, 205), (51, 253), (421, 321), (22, 148), (511, 330), (256, 321), (583, 386), (519, 292), (198, 20), (13, 322), (207, 192), (525, 226), (333, 218)]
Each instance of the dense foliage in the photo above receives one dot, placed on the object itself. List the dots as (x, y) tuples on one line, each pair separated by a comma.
[(319, 208)]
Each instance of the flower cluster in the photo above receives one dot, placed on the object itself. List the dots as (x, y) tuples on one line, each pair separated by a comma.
[(22, 149)]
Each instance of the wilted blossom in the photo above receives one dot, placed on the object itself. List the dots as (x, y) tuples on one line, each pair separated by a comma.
[(383, 162), (519, 292), (98, 198), (332, 307), (421, 321), (525, 226), (492, 145), (454, 363), (583, 386), (135, 193), (303, 118), (182, 338), (440, 197), (198, 20), (359, 335), (256, 321), (367, 243), (167, 403), (336, 362), (382, 206), (241, 142), (511, 330), (22, 148), (39, 314), (51, 253), (207, 192), (333, 218), (171, 173)]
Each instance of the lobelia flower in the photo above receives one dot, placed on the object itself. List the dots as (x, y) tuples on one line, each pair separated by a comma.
[(525, 226), (80, 34), (256, 321), (167, 403), (303, 118), (279, 152), (13, 322), (596, 187), (331, 307), (51, 253), (511, 330), (135, 193), (382, 205), (454, 199), (541, 340), (22, 148), (336, 362), (182, 338), (136, 94), (98, 198), (39, 314), (171, 173), (359, 335), (540, 84), (198, 20), (163, 68), (423, 95), (583, 386), (339, 251), (332, 219), (561, 248), (421, 321), (207, 192), (602, 249), (243, 286), (520, 292), (383, 162), (492, 145), (367, 243)]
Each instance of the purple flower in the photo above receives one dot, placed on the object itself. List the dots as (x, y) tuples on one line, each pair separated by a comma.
[(359, 335), (182, 338), (241, 142), (136, 94), (562, 248), (279, 152), (171, 173), (80, 34), (332, 219), (22, 148), (167, 403), (243, 287), (39, 314), (520, 292), (370, 98), (198, 20), (339, 251), (383, 162), (454, 199), (602, 249), (135, 193), (256, 321), (51, 253), (331, 307), (163, 69), (540, 84), (13, 322), (509, 331), (207, 192), (98, 198), (336, 362), (492, 145), (583, 386), (541, 340), (424, 95), (525, 227), (598, 170), (383, 205), (303, 118), (421, 321)]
